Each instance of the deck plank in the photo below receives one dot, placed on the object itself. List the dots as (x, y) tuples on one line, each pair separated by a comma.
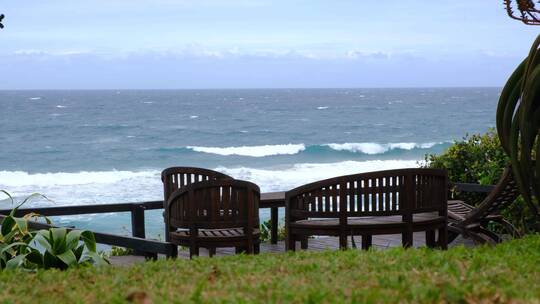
[(380, 242)]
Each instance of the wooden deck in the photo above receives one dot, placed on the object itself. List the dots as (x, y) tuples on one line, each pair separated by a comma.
[(380, 242)]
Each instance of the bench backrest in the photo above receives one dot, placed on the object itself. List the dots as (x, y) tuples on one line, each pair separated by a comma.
[(215, 204), (392, 192), (175, 178)]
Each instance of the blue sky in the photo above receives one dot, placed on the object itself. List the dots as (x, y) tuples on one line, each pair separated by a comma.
[(157, 44)]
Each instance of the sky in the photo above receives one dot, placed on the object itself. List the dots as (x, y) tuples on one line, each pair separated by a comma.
[(195, 44)]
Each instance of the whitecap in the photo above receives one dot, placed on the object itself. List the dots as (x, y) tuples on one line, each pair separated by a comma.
[(34, 98), (376, 148), (252, 151), (194, 116), (322, 108), (60, 106)]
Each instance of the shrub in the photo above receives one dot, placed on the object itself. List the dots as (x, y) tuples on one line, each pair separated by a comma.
[(266, 231), (480, 158), (48, 248)]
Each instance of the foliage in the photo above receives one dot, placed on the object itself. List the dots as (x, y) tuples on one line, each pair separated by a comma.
[(120, 251), (480, 158), (477, 158), (266, 231), (506, 273), (518, 125), (53, 248)]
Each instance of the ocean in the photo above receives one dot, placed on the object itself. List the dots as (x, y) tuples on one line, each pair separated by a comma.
[(106, 146)]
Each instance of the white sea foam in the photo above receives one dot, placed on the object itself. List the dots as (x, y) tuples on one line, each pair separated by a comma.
[(131, 186), (322, 108), (375, 148), (253, 151), (194, 116), (83, 187), (34, 98), (60, 106)]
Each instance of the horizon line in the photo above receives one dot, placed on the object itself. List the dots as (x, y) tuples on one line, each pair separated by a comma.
[(255, 88)]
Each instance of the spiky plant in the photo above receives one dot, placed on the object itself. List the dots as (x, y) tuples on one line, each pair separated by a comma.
[(518, 125)]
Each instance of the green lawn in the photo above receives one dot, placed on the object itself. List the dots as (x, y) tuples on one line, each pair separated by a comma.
[(508, 272)]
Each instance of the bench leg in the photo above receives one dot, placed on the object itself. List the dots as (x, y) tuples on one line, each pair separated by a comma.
[(212, 251), (407, 238), (430, 238), (304, 243), (443, 238), (193, 251), (291, 243), (366, 241), (343, 241)]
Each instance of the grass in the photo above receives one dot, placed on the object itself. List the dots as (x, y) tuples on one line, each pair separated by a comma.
[(506, 273)]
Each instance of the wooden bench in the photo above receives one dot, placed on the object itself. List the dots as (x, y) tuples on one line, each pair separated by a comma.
[(384, 202)]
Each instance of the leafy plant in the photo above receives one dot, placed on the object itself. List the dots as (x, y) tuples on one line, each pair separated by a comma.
[(50, 248), (120, 251), (266, 228)]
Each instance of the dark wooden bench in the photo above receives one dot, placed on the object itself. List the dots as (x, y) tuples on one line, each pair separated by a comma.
[(384, 202), (215, 213), (175, 178)]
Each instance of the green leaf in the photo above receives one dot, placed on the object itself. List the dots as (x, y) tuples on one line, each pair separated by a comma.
[(35, 257), (96, 259), (42, 240), (22, 224), (50, 261), (68, 258), (7, 225), (16, 262), (12, 245), (79, 252), (8, 195), (72, 239), (89, 240)]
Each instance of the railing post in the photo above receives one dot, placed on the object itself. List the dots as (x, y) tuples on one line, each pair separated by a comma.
[(137, 224), (274, 226)]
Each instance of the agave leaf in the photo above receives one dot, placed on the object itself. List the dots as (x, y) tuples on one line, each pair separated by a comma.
[(72, 239), (96, 259), (89, 240), (507, 102), (42, 240), (35, 257), (7, 225), (79, 252), (59, 239), (11, 246), (50, 261), (22, 224), (16, 262), (68, 257), (8, 238), (8, 195), (30, 197)]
